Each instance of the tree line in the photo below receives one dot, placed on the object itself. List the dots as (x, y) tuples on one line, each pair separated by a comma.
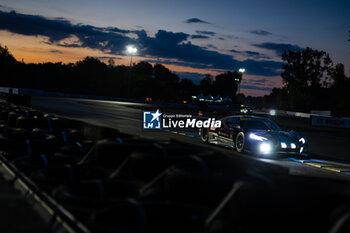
[(311, 81), (91, 76)]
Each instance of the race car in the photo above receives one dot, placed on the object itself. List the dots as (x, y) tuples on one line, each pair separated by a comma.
[(258, 135)]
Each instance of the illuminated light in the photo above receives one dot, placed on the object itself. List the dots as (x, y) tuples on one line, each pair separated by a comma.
[(301, 149), (242, 105), (131, 49), (257, 137), (302, 140), (283, 145), (272, 112), (241, 70), (293, 146), (185, 102), (265, 148)]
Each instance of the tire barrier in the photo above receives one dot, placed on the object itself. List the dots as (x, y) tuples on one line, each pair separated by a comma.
[(149, 216), (113, 182)]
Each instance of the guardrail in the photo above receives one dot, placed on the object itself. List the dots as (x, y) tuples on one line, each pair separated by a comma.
[(326, 121)]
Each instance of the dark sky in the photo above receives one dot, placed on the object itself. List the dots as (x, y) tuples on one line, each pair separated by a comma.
[(190, 37)]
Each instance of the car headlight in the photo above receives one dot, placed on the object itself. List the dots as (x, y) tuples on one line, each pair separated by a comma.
[(302, 140), (265, 148), (283, 145), (257, 137)]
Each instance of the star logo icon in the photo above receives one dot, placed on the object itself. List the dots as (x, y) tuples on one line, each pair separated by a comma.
[(156, 115), (151, 120)]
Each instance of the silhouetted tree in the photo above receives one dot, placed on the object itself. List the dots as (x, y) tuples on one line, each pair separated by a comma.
[(187, 89), (226, 84), (8, 66), (340, 91), (278, 99), (5, 56), (111, 63), (166, 84), (142, 80), (206, 85), (304, 76), (91, 76)]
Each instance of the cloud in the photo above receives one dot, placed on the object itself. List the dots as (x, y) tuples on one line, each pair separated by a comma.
[(261, 32), (210, 46), (56, 51), (199, 37), (109, 57), (277, 47), (235, 51), (114, 29), (255, 82), (252, 53), (252, 87), (59, 29), (196, 20), (169, 47), (206, 33)]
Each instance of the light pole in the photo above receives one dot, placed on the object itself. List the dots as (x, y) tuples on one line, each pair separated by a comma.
[(240, 70), (131, 50)]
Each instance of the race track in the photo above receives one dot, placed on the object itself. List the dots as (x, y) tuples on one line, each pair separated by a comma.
[(328, 152)]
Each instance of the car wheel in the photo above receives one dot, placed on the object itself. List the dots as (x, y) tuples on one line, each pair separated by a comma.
[(240, 141), (205, 134)]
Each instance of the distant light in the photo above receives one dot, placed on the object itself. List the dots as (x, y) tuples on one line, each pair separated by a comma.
[(293, 146), (244, 110), (283, 145), (302, 140), (241, 70), (272, 112), (131, 50), (265, 148)]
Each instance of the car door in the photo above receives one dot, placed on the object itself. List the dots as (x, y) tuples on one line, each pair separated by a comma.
[(228, 129)]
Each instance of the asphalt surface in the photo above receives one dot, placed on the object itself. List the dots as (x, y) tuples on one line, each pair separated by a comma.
[(326, 149)]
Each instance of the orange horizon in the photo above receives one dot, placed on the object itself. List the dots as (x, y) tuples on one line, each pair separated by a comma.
[(37, 49)]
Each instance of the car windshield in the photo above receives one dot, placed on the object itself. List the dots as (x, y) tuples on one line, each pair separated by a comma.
[(259, 124)]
